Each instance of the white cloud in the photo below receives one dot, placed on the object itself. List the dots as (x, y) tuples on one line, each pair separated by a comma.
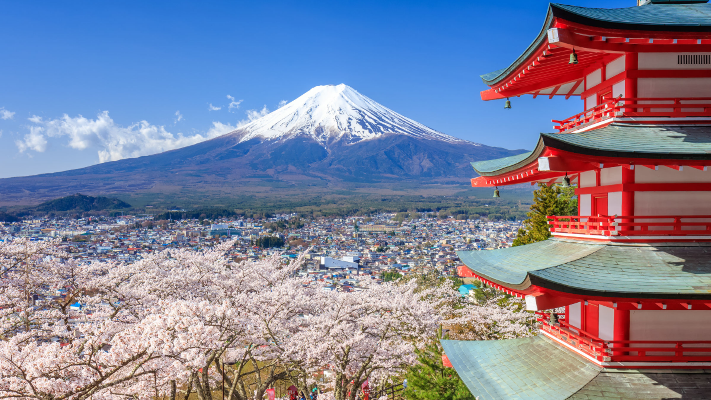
[(5, 114), (219, 129), (34, 140), (234, 104), (253, 115), (282, 103), (213, 108), (178, 116), (114, 142)]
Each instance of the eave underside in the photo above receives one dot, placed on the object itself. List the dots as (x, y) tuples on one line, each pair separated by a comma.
[(543, 68)]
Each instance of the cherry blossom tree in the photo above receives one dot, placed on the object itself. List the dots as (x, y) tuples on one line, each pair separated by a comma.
[(491, 315), (370, 334), (185, 322)]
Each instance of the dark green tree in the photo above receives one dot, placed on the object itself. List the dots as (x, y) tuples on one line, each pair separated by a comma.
[(547, 200), (388, 276), (266, 242), (429, 379)]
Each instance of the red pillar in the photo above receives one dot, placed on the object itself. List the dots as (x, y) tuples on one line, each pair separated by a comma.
[(631, 64), (627, 196), (622, 328)]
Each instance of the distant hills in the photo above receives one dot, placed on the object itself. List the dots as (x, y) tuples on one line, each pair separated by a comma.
[(5, 217), (330, 139), (80, 202), (76, 203)]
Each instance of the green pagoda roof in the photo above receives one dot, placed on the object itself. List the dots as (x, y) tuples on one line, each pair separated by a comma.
[(663, 271), (537, 368), (686, 16), (690, 142), (527, 368)]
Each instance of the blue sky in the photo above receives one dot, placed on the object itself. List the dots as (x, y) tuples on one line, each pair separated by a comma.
[(124, 70)]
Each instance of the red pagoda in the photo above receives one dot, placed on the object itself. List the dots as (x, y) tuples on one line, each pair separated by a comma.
[(633, 268)]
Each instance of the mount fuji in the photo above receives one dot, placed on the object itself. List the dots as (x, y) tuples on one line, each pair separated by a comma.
[(330, 138), (330, 114)]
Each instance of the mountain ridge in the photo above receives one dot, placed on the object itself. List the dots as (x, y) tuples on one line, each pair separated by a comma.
[(331, 138)]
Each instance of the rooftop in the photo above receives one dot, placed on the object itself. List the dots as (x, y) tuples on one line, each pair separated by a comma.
[(667, 17), (619, 140), (537, 368), (662, 271)]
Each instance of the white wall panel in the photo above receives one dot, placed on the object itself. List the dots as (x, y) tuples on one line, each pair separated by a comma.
[(673, 87), (574, 311), (610, 176), (670, 324), (672, 203), (587, 179), (585, 204), (618, 89), (666, 61), (591, 102), (606, 327), (615, 67), (593, 78), (614, 203)]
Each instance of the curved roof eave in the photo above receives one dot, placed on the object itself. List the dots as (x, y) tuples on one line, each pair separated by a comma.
[(502, 167), (495, 77), (645, 18)]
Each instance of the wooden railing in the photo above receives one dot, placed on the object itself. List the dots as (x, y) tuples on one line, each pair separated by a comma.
[(638, 107), (647, 225), (394, 392), (626, 350)]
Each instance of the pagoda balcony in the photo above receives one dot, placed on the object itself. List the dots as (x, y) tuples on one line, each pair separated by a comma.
[(639, 110), (607, 352), (647, 225)]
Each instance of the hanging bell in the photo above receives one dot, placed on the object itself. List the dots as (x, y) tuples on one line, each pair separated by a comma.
[(507, 105), (573, 58), (566, 181), (496, 192)]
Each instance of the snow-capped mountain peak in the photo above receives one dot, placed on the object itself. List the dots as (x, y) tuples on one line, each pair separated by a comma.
[(332, 113)]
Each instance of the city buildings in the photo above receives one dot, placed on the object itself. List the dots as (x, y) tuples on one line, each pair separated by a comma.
[(338, 249)]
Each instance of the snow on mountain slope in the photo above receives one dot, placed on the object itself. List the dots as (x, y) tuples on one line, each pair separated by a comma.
[(336, 113)]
